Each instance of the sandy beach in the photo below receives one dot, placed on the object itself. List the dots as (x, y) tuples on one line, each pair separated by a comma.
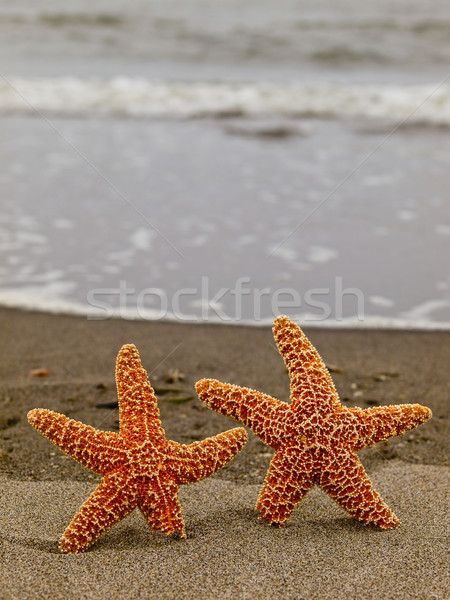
[(228, 553)]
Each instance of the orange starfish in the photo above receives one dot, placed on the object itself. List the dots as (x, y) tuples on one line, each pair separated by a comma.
[(315, 438), (139, 466)]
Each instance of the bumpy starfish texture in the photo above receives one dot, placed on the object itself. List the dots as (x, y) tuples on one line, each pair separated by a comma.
[(139, 466), (315, 438)]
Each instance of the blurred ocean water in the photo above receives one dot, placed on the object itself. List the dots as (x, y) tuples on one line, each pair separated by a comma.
[(227, 161)]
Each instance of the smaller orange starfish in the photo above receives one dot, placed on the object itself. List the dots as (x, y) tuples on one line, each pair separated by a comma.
[(139, 466), (315, 438)]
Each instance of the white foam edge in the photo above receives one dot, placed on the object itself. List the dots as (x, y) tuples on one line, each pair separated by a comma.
[(139, 97), (72, 308)]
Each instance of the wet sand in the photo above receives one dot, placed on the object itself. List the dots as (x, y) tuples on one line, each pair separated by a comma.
[(228, 552)]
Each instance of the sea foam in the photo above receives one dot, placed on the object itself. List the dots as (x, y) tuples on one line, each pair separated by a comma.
[(143, 98)]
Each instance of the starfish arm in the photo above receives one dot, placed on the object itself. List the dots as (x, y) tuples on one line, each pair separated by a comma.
[(138, 407), (263, 414), (99, 451), (380, 423), (283, 489), (158, 502), (108, 504), (346, 481), (310, 379), (202, 459)]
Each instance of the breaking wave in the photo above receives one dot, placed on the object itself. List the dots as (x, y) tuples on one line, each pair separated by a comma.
[(143, 98)]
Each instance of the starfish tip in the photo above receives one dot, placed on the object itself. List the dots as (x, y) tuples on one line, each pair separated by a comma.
[(203, 386), (67, 548), (129, 369), (241, 436), (281, 321), (177, 534), (388, 523), (283, 325), (33, 415), (129, 350), (426, 413), (392, 525)]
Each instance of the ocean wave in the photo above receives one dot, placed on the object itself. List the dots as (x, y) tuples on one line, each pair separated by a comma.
[(143, 98)]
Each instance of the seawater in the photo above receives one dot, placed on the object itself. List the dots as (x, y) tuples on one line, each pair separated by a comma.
[(227, 162)]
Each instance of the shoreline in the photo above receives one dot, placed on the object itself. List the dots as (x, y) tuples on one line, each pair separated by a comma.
[(61, 308), (228, 553)]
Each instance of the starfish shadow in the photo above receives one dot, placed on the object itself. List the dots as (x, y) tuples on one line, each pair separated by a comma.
[(326, 526), (41, 545), (132, 537), (127, 538), (240, 519), (346, 524)]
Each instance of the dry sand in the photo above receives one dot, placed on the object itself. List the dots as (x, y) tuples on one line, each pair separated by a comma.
[(322, 553)]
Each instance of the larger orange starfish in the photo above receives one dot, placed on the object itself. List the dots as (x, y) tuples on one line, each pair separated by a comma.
[(139, 466), (315, 438)]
